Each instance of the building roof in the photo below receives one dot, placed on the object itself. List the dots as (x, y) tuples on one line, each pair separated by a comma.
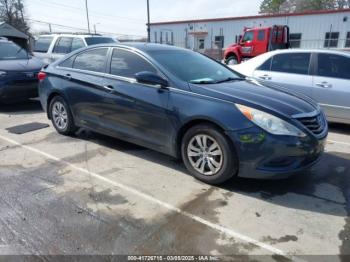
[(7, 30), (253, 17)]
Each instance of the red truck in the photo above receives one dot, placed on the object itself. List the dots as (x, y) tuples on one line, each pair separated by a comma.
[(257, 41)]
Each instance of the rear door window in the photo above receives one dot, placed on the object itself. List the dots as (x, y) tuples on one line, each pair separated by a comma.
[(63, 45), (92, 60), (293, 63), (127, 64), (42, 45), (99, 40), (330, 65), (77, 43)]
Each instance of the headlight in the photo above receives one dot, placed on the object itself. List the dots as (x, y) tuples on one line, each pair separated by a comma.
[(2, 73), (270, 123)]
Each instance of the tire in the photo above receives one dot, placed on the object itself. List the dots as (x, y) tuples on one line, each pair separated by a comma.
[(217, 168), (232, 60), (61, 116)]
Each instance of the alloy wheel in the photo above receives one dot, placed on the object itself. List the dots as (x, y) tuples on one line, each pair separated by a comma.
[(59, 115), (205, 155)]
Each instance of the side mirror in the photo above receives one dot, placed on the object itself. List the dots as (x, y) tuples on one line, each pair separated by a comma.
[(151, 79)]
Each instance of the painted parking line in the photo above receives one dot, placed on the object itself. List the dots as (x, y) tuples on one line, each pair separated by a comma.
[(227, 231), (338, 142)]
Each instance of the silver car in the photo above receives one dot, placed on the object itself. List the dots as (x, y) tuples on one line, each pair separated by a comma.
[(52, 47), (323, 75)]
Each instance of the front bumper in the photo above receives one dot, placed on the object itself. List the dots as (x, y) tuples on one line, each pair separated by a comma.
[(265, 156)]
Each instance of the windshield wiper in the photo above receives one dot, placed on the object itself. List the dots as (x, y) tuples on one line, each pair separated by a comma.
[(203, 82), (229, 79)]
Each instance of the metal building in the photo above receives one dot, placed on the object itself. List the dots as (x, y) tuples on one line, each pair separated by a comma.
[(316, 29)]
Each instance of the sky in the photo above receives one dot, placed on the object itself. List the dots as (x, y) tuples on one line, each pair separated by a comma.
[(128, 17)]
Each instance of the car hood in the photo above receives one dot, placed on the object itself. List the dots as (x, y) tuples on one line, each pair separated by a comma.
[(268, 97), (31, 64)]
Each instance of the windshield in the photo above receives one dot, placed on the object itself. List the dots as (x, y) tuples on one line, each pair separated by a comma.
[(11, 51), (99, 40), (193, 67)]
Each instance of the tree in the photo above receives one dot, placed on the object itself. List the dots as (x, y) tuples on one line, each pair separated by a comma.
[(271, 6), (292, 6), (12, 12)]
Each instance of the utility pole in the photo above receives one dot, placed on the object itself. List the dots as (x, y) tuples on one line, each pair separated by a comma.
[(148, 23), (95, 28), (87, 15)]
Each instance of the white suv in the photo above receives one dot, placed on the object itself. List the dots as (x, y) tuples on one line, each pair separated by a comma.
[(51, 47)]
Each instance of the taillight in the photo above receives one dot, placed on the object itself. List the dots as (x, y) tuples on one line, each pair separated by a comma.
[(41, 76)]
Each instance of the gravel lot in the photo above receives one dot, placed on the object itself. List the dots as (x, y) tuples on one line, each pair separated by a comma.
[(91, 194)]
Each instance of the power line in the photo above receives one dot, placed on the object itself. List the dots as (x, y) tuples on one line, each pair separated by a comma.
[(78, 28), (74, 8)]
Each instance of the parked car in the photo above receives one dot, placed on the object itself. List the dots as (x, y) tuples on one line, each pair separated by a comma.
[(187, 105), (51, 47), (322, 75), (18, 73)]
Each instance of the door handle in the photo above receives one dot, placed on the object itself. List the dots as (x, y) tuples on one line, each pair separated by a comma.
[(324, 85), (109, 88), (266, 77), (68, 76)]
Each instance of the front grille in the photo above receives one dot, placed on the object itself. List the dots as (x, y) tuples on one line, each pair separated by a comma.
[(315, 124)]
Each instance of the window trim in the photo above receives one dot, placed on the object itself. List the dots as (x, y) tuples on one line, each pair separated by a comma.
[(107, 67), (299, 40), (93, 49), (328, 41), (82, 70), (309, 73), (347, 40)]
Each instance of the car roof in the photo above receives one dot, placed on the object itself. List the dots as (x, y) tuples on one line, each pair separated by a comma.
[(72, 35), (141, 46), (328, 51)]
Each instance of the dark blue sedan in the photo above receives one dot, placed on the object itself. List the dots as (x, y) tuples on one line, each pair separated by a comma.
[(185, 105), (18, 73)]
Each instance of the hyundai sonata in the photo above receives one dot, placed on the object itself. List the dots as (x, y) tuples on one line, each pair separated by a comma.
[(186, 105)]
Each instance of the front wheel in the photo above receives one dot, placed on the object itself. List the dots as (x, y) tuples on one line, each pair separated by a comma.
[(209, 155), (232, 60)]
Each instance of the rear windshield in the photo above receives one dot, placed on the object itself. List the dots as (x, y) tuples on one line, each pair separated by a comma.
[(11, 51), (99, 40), (42, 44)]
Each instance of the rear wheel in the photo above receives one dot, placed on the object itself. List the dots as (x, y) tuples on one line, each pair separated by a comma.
[(61, 116), (209, 155), (232, 60)]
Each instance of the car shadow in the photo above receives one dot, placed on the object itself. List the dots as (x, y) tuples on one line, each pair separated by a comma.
[(27, 107), (339, 128), (324, 189)]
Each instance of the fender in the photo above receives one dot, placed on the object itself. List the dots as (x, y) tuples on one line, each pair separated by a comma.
[(233, 50)]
